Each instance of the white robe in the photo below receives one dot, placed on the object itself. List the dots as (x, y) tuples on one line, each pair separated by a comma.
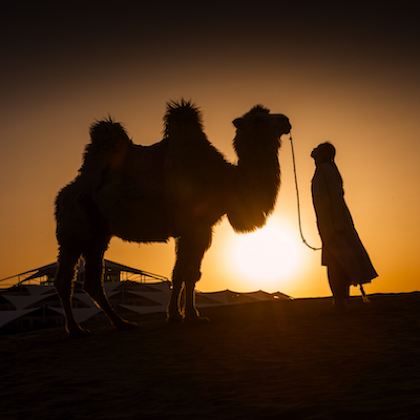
[(340, 242)]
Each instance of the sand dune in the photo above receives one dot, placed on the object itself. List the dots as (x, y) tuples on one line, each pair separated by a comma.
[(282, 359)]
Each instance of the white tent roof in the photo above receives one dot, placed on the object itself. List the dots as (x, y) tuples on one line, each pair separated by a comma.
[(9, 316), (155, 292)]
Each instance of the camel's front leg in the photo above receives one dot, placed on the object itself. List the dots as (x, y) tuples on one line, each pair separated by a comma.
[(191, 312), (190, 249), (174, 314)]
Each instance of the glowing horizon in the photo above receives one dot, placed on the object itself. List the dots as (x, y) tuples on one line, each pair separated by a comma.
[(353, 81)]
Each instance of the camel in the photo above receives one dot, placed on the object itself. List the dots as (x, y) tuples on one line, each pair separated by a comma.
[(179, 187)]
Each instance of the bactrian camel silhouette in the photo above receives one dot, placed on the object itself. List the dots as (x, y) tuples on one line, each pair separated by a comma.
[(179, 187)]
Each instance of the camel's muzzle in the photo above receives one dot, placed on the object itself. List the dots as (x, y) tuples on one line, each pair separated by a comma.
[(282, 122)]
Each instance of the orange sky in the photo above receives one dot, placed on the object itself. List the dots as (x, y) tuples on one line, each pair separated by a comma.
[(362, 96)]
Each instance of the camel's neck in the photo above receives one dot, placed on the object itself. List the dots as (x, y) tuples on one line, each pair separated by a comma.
[(255, 187)]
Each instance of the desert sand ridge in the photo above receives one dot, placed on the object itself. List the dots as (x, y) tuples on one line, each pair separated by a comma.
[(290, 359)]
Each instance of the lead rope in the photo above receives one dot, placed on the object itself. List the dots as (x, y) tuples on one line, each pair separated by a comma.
[(298, 198), (362, 290), (364, 296)]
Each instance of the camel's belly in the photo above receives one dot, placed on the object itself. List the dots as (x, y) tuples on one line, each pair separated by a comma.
[(140, 228), (134, 217)]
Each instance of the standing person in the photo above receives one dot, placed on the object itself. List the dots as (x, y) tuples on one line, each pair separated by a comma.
[(343, 253)]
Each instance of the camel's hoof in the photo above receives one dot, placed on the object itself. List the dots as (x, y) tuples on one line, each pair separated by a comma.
[(195, 320), (174, 319), (78, 333), (124, 325)]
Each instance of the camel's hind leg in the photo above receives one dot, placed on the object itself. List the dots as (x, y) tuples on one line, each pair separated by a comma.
[(190, 249), (94, 287), (174, 314), (63, 282)]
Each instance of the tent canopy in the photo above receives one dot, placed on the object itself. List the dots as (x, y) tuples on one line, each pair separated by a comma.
[(49, 271)]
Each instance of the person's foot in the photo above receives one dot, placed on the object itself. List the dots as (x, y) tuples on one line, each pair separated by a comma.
[(78, 332), (174, 318), (340, 306), (196, 320), (124, 325), (365, 299)]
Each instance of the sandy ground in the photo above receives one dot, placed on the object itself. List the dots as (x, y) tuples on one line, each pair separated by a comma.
[(290, 360)]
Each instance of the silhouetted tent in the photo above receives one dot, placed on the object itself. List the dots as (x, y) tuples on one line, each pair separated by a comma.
[(46, 296), (152, 287), (33, 290), (53, 300), (230, 297), (47, 271), (202, 299), (16, 290), (132, 299), (26, 306), (30, 319), (113, 271), (261, 295), (281, 296), (6, 305)]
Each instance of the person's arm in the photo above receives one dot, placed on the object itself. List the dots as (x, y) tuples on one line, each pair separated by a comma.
[(334, 196)]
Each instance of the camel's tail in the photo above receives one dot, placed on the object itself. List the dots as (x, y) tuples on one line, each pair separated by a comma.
[(108, 141)]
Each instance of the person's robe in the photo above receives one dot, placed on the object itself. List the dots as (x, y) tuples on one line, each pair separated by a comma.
[(340, 242)]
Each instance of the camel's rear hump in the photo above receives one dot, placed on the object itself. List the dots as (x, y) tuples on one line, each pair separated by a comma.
[(107, 148)]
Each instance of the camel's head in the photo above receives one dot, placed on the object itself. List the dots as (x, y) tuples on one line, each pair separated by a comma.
[(260, 123), (257, 179)]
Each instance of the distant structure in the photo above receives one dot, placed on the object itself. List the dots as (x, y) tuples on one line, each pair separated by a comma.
[(32, 302), (113, 272)]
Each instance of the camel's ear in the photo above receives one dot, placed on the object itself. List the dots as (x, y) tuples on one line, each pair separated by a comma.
[(237, 122)]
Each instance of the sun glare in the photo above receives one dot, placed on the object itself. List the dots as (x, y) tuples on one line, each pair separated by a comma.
[(267, 258)]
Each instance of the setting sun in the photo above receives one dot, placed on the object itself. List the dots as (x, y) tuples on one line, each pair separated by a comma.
[(267, 258)]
